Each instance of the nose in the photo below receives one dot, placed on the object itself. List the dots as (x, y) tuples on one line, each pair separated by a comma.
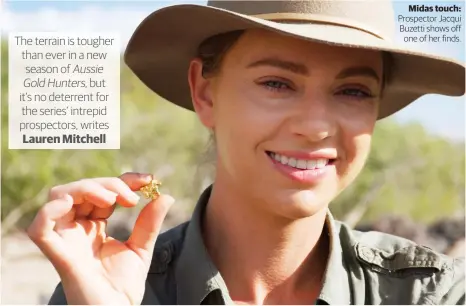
[(314, 120)]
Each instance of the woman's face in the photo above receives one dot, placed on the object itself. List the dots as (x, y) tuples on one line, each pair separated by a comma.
[(292, 119)]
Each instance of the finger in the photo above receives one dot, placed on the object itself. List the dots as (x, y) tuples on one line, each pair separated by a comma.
[(85, 209), (41, 231), (126, 196), (136, 180), (148, 225), (85, 191), (46, 218), (69, 217), (102, 213)]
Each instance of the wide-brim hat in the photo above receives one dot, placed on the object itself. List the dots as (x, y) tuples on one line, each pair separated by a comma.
[(161, 48)]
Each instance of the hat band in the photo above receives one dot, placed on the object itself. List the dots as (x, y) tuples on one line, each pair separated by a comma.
[(325, 19)]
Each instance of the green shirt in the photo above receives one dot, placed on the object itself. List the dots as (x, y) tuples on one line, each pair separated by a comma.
[(363, 268)]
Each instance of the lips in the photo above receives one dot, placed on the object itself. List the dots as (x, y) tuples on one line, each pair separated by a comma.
[(298, 163), (303, 167), (303, 163)]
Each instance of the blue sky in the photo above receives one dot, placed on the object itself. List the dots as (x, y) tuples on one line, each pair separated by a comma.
[(31, 6), (441, 115), (65, 5)]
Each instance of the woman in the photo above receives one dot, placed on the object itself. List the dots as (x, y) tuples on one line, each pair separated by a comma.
[(291, 96)]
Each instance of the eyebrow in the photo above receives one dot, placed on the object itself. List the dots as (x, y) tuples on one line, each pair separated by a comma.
[(282, 64), (359, 71), (303, 70)]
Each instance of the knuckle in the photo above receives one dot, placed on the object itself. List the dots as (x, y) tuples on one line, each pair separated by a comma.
[(87, 185), (54, 192), (126, 174), (41, 214), (83, 181), (32, 233), (118, 182)]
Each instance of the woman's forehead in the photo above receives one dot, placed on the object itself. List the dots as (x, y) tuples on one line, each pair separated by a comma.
[(254, 44)]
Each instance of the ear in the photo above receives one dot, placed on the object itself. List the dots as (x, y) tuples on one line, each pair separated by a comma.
[(201, 93)]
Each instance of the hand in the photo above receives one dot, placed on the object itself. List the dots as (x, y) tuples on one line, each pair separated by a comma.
[(95, 268)]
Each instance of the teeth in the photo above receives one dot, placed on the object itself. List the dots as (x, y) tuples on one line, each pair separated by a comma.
[(284, 160), (321, 163), (311, 164), (300, 163)]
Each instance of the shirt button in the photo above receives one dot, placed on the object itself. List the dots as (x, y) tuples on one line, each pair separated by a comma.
[(163, 256)]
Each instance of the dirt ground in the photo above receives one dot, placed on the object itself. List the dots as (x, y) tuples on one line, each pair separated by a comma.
[(27, 276)]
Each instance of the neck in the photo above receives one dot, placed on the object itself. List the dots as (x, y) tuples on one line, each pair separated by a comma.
[(264, 258)]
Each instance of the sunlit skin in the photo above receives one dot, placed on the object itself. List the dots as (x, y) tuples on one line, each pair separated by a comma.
[(264, 220), (275, 93)]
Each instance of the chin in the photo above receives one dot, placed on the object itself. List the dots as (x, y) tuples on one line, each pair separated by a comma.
[(299, 204)]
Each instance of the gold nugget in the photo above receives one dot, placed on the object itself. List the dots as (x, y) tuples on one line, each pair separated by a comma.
[(151, 191)]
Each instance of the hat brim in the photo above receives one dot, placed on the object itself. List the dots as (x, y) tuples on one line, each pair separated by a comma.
[(162, 47)]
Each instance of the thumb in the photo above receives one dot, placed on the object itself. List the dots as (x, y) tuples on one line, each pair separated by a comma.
[(148, 225)]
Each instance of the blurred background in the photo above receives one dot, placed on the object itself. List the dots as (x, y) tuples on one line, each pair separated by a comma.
[(413, 184)]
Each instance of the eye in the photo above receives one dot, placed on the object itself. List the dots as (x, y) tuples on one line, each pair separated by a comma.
[(275, 85), (355, 92)]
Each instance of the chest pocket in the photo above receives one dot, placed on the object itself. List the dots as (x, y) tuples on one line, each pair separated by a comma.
[(408, 261)]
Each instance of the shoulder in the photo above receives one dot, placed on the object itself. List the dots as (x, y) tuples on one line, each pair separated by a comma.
[(394, 264)]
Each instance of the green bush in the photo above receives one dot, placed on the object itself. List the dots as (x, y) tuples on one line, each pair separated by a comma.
[(409, 172)]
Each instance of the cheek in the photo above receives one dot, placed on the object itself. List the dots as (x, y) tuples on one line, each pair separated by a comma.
[(241, 112), (356, 135), (361, 144), (240, 126)]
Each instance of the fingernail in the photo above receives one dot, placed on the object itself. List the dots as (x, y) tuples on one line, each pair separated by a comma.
[(147, 177), (68, 198), (133, 197), (110, 196)]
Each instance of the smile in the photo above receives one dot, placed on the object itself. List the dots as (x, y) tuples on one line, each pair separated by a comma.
[(304, 168), (302, 164)]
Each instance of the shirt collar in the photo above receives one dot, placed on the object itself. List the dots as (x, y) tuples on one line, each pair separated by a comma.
[(197, 276), (336, 283)]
